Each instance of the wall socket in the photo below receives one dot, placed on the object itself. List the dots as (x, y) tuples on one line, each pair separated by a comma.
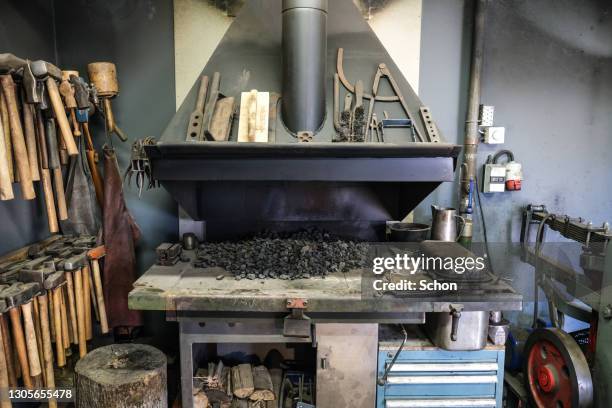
[(494, 135), (494, 180)]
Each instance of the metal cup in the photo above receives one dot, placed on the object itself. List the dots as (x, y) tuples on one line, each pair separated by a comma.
[(444, 224)]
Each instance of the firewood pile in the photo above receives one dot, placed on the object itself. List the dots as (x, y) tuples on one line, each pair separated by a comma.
[(240, 386)]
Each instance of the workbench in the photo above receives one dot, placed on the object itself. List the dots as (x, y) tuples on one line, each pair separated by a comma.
[(211, 306)]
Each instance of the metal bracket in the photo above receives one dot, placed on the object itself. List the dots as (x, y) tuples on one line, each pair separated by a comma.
[(297, 324), (430, 126), (168, 254)]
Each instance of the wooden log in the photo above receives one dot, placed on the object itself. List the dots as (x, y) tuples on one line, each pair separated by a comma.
[(240, 403), (200, 400), (262, 382), (215, 383), (122, 376), (276, 374), (242, 381)]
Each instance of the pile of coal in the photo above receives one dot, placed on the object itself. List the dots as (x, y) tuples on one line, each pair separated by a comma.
[(298, 255)]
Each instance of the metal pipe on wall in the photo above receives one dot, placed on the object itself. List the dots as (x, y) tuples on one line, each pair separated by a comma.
[(304, 64), (470, 144)]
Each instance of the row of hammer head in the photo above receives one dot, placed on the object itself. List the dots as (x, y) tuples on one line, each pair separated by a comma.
[(44, 269), (33, 74)]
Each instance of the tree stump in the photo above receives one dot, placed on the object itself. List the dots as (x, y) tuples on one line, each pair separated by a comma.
[(122, 376)]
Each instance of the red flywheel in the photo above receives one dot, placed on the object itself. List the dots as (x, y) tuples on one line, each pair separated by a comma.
[(556, 371)]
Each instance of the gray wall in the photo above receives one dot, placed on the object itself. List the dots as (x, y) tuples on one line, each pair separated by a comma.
[(548, 71), (28, 35), (137, 36)]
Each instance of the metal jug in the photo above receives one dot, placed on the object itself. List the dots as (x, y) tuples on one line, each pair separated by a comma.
[(444, 224)]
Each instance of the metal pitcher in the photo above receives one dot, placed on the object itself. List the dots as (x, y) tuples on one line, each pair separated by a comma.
[(444, 224)]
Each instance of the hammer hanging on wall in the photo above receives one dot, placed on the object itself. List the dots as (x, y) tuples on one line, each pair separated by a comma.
[(47, 74), (17, 138), (6, 187), (104, 77)]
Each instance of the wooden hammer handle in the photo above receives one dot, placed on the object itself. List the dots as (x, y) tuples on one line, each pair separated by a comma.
[(7, 348), (62, 209), (31, 341), (57, 320), (4, 378), (20, 346), (46, 341), (49, 201), (87, 302), (43, 159), (80, 310), (17, 138), (95, 265), (72, 307), (7, 135), (37, 330), (64, 316), (60, 115), (93, 167), (30, 138), (108, 113), (6, 187)]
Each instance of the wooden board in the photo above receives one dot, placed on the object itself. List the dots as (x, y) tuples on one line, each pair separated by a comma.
[(254, 116)]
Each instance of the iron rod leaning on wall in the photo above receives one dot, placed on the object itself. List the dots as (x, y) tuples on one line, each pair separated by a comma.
[(470, 143), (304, 64)]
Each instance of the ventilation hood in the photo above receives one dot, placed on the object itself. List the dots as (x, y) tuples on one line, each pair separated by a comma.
[(286, 180)]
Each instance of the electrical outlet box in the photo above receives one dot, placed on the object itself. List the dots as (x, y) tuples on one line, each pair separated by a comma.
[(494, 135), (486, 113), (494, 180)]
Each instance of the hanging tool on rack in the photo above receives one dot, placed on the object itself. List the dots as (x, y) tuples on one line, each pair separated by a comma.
[(84, 105), (140, 166), (103, 76), (17, 137), (383, 72), (376, 129), (47, 75)]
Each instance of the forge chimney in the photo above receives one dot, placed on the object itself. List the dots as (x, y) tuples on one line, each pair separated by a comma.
[(304, 64)]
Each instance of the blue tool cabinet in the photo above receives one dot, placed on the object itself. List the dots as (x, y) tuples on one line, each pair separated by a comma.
[(427, 376)]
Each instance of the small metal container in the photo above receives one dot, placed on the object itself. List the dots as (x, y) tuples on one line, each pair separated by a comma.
[(409, 232), (471, 332)]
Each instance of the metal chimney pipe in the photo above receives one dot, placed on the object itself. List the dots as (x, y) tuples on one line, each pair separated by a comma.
[(470, 143), (304, 64)]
